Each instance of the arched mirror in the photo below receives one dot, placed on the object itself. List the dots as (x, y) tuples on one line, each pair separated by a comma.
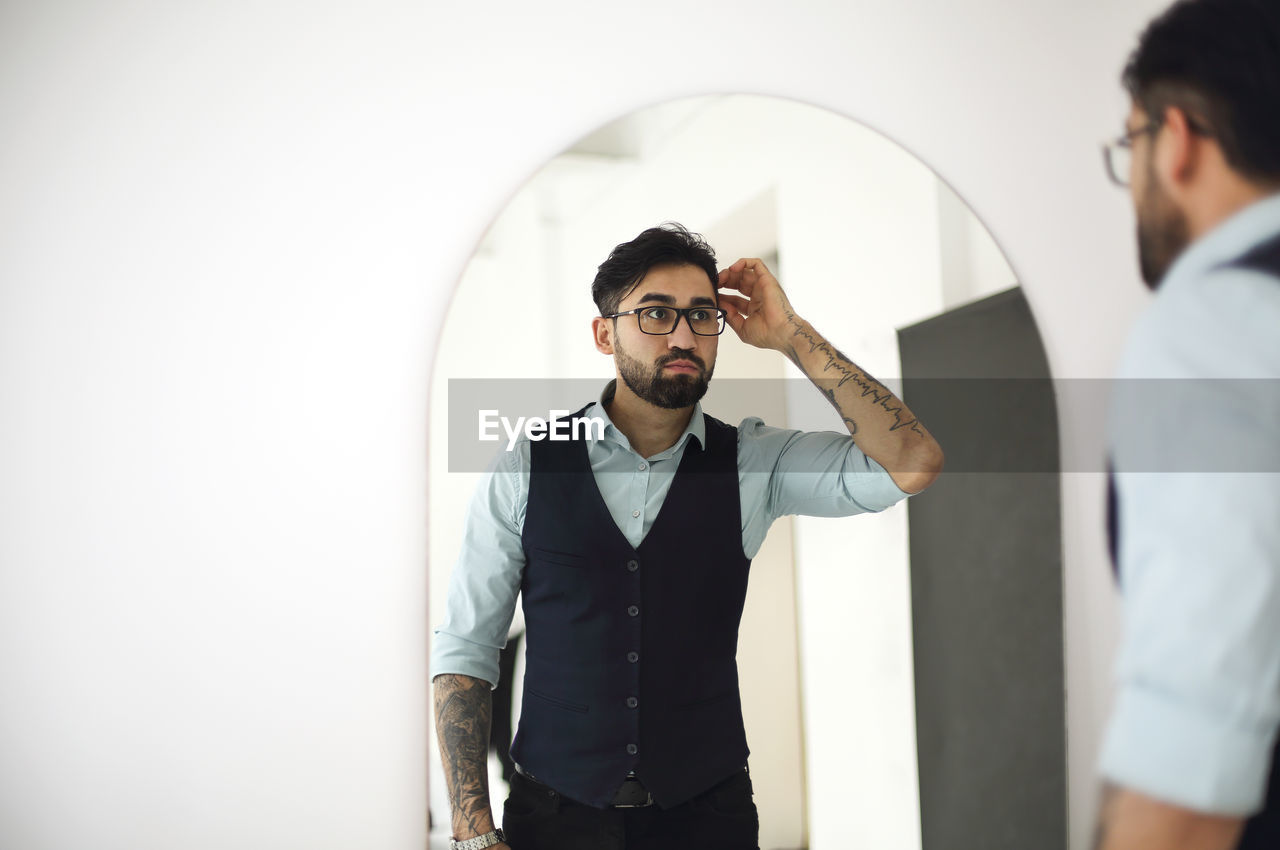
[(870, 246)]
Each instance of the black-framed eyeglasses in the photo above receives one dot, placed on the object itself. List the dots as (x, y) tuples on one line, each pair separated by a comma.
[(660, 319), (1117, 154)]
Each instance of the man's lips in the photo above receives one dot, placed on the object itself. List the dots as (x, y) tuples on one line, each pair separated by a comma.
[(682, 366)]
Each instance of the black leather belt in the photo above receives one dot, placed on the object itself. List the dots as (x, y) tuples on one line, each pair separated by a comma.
[(632, 794)]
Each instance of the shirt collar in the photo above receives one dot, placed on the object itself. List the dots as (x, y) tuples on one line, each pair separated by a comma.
[(695, 430), (1228, 240)]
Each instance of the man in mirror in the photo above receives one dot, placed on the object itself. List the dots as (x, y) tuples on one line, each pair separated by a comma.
[(631, 553), (1189, 754)]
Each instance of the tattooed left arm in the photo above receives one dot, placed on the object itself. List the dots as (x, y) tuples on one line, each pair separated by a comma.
[(881, 424)]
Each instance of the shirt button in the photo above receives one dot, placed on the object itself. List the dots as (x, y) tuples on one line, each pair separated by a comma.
[(632, 749), (633, 611), (633, 657), (633, 565), (635, 513), (632, 702), (643, 467)]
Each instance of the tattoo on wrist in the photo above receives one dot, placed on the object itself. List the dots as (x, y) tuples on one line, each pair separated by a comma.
[(846, 372)]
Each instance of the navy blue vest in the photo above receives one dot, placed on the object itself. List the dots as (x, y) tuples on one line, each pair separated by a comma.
[(631, 652), (1262, 831)]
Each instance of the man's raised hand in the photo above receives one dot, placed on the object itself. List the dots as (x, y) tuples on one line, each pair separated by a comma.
[(760, 314)]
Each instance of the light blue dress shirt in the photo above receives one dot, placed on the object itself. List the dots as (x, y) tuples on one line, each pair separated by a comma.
[(780, 472), (1198, 670)]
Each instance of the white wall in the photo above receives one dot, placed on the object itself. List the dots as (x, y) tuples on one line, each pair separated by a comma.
[(229, 234)]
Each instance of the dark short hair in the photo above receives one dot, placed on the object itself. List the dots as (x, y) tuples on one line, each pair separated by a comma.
[(1218, 61), (668, 244)]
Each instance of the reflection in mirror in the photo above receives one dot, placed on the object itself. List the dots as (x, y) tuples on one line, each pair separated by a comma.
[(865, 240)]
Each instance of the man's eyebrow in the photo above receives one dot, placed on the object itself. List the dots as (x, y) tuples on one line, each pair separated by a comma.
[(657, 296), (663, 298)]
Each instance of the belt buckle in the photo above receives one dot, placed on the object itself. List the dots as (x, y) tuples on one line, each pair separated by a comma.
[(648, 801), (648, 797)]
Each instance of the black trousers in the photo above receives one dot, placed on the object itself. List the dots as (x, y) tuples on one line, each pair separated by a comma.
[(536, 817)]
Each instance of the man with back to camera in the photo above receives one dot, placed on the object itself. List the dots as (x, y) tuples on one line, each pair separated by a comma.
[(1189, 753), (632, 554)]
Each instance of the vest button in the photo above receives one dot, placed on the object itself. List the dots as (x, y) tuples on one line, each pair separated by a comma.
[(633, 657), (632, 749), (633, 611), (632, 702), (633, 565)]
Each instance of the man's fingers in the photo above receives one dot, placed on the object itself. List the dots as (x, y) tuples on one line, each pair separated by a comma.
[(735, 320), (737, 302), (745, 276), (734, 278)]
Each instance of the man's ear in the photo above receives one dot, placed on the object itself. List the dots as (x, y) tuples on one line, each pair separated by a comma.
[(602, 329), (1178, 151)]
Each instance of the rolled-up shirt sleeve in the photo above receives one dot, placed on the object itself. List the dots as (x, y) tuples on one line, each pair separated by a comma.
[(486, 579), (1198, 669), (808, 473), (1198, 673)]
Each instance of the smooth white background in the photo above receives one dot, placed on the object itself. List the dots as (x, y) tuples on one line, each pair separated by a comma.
[(228, 232)]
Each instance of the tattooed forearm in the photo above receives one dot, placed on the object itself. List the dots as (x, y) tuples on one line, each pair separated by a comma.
[(464, 711), (833, 365)]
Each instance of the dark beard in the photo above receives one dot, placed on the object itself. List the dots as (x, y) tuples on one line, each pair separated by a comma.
[(668, 392), (1163, 232)]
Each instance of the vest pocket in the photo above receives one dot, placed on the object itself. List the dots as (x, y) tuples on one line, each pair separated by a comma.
[(559, 703), (564, 559)]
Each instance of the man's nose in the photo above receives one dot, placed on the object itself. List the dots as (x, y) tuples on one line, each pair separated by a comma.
[(682, 336)]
